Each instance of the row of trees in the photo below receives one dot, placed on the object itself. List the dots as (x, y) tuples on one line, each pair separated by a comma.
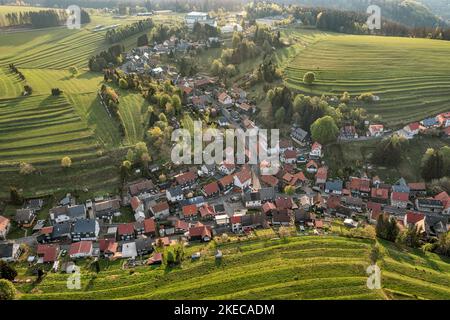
[(116, 35), (42, 18), (108, 58)]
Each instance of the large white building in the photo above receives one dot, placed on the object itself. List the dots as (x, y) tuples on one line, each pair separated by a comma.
[(201, 17)]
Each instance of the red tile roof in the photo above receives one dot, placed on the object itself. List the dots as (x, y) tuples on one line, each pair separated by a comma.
[(333, 202), (48, 251), (4, 223), (135, 203), (417, 186), (444, 198), (80, 247), (200, 230), (235, 219), (244, 175), (290, 154), (186, 177), (189, 210), (183, 225), (360, 184), (413, 217), (268, 206), (318, 223), (374, 206), (322, 173), (106, 244), (206, 210), (380, 193), (125, 229), (400, 196), (283, 203), (311, 163), (226, 181), (161, 206), (414, 126), (269, 180), (211, 188), (149, 226)]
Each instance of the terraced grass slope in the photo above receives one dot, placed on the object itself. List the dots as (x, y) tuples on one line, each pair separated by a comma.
[(411, 76), (298, 268)]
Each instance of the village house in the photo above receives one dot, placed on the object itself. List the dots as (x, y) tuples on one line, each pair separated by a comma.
[(283, 217), (227, 168), (410, 130), (5, 225), (186, 180), (252, 199), (9, 252), (144, 246), (211, 190), (429, 205), (47, 253), (399, 199), (289, 156), (245, 108), (268, 208), (150, 227), (128, 250), (321, 176), (430, 122), (224, 99), (374, 209), (316, 151), (444, 119), (189, 211), (200, 232), (411, 218), (85, 229), (68, 213), (160, 210), (138, 209), (284, 203), (82, 249), (180, 226), (175, 194), (359, 186), (226, 183), (356, 204), (206, 212), (417, 189), (139, 187), (25, 217), (236, 223), (380, 194), (125, 231), (270, 181), (106, 210), (376, 130), (334, 187), (445, 199), (312, 167), (348, 132), (198, 201), (60, 232), (243, 178), (108, 247), (299, 135)]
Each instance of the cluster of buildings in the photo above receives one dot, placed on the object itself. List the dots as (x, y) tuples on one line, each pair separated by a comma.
[(439, 122)]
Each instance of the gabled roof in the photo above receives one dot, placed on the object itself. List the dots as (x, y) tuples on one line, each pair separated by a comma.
[(360, 184), (108, 245), (125, 229), (311, 163), (226, 181), (244, 175), (334, 185), (200, 230), (322, 173), (186, 177), (211, 188), (160, 207), (206, 210), (269, 180), (49, 252), (183, 225), (380, 193), (316, 145), (283, 203), (417, 186), (84, 226), (141, 186), (413, 217), (149, 225), (4, 222), (135, 203), (268, 206), (189, 210), (290, 154), (400, 196), (80, 247)]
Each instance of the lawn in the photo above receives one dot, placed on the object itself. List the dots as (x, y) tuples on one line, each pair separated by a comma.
[(306, 267), (411, 76), (41, 129)]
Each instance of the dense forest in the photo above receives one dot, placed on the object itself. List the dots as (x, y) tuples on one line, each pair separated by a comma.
[(116, 35), (407, 12), (41, 19)]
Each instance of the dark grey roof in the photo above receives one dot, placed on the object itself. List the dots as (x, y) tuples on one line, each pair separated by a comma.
[(6, 250), (61, 229), (175, 191), (196, 200), (144, 244), (84, 226), (267, 193), (24, 215), (252, 196), (298, 134), (35, 204), (77, 212), (219, 207), (335, 185)]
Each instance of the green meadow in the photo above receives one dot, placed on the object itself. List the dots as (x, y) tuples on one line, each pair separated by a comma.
[(411, 76), (305, 267)]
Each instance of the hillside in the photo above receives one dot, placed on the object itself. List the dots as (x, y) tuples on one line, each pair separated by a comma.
[(408, 12), (41, 129), (304, 267), (411, 76)]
